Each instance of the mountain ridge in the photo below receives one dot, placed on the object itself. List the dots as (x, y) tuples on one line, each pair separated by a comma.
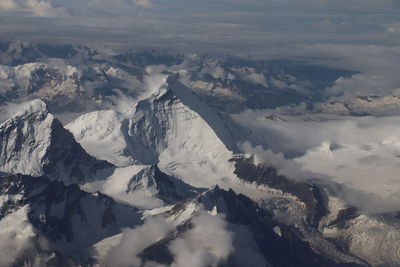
[(34, 142)]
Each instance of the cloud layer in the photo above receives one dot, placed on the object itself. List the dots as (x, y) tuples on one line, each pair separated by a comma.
[(361, 35), (363, 154), (34, 8), (206, 243)]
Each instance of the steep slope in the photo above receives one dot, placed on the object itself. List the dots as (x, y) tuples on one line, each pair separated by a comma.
[(373, 238), (99, 129), (330, 226), (175, 118), (58, 218), (34, 142), (153, 182), (173, 128), (279, 243), (144, 186), (221, 228), (310, 194)]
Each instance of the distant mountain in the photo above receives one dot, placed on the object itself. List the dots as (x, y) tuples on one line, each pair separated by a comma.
[(360, 106), (193, 142), (68, 86), (160, 180), (233, 84), (79, 78)]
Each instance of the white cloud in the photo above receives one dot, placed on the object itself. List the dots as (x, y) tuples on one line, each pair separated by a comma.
[(286, 167), (8, 5), (153, 82), (206, 244), (36, 8), (360, 84), (10, 109), (256, 78), (42, 8), (361, 153), (135, 240), (393, 28), (261, 28), (143, 3), (17, 238), (378, 64), (366, 159)]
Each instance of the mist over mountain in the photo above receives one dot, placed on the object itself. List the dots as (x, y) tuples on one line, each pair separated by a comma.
[(174, 156), (147, 133)]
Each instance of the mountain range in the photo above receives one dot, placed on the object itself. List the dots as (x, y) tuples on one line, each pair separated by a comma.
[(163, 181)]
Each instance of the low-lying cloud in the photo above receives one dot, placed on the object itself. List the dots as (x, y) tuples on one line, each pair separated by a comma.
[(206, 243), (284, 166), (360, 153), (19, 240), (134, 241), (10, 109)]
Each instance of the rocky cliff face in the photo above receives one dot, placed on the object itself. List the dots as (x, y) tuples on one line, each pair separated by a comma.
[(310, 194), (188, 193), (67, 220), (176, 119), (34, 142), (256, 237), (173, 128), (152, 181)]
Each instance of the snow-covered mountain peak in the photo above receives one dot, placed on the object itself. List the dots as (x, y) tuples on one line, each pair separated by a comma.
[(34, 142), (172, 98), (157, 184), (32, 111), (174, 128), (35, 106), (99, 129), (71, 219), (165, 86)]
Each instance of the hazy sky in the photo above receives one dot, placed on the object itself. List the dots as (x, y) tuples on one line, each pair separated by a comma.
[(248, 26), (360, 35)]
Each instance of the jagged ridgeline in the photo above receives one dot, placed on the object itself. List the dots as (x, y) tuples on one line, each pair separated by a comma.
[(77, 78), (164, 183)]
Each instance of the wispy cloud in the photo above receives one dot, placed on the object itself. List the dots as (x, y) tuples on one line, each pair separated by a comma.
[(36, 8), (393, 28), (144, 3), (252, 26), (8, 5)]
